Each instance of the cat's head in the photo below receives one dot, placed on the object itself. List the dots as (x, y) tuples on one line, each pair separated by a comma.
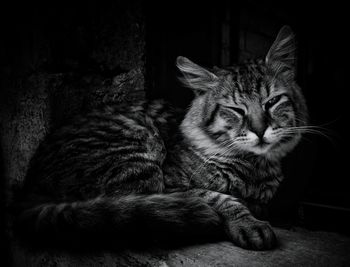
[(254, 107)]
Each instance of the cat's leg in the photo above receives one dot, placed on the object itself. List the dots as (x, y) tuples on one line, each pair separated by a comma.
[(259, 210), (241, 226)]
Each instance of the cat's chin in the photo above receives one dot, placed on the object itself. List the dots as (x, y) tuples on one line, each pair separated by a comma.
[(273, 151), (260, 149), (266, 150)]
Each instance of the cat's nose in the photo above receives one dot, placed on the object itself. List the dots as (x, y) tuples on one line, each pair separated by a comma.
[(260, 132), (258, 125)]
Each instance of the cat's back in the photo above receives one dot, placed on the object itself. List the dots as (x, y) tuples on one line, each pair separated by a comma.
[(83, 155)]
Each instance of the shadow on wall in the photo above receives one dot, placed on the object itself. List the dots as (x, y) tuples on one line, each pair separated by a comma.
[(4, 238)]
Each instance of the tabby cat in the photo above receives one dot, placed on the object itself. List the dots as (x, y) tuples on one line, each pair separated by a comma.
[(143, 166)]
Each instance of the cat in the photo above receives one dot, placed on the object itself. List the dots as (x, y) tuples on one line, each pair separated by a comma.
[(152, 168)]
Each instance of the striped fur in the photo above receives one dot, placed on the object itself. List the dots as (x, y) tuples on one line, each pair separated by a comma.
[(144, 166)]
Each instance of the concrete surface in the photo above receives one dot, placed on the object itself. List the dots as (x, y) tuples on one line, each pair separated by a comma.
[(297, 248)]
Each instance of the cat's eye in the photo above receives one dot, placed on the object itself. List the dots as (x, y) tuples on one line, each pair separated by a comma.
[(273, 101), (240, 111)]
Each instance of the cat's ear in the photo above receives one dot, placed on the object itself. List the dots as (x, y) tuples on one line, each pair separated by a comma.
[(196, 77), (281, 58)]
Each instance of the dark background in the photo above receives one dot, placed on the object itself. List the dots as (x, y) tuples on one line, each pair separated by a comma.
[(57, 37)]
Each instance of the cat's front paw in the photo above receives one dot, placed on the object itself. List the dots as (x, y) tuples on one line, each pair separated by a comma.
[(251, 233)]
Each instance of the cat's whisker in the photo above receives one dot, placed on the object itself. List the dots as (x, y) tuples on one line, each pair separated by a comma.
[(286, 135), (311, 129), (304, 122)]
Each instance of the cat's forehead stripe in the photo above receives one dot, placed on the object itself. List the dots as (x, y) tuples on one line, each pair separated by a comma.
[(247, 78)]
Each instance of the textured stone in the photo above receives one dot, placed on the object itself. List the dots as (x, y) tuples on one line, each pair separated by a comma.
[(296, 248)]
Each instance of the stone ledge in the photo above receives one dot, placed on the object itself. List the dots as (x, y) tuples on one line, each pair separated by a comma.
[(297, 248)]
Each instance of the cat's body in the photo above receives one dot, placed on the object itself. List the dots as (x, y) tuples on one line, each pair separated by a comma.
[(146, 164)]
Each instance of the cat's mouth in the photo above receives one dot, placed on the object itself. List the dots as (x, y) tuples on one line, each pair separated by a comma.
[(261, 147), (262, 143)]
